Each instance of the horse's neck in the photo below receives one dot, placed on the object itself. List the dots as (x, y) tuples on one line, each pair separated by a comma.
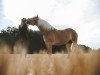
[(42, 24)]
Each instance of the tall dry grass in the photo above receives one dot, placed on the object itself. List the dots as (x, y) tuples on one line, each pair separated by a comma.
[(19, 47), (75, 63), (54, 64)]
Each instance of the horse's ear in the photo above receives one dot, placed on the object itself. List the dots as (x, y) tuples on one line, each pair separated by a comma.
[(37, 16)]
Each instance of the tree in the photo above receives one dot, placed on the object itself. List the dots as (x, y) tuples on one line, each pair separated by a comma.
[(84, 48)]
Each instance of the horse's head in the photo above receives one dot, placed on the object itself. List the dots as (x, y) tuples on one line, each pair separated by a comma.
[(23, 21), (33, 20), (23, 25)]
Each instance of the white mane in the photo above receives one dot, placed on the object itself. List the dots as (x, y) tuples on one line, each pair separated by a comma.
[(45, 24)]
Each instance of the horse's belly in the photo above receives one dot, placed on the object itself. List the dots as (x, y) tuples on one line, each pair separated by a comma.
[(60, 43), (60, 40)]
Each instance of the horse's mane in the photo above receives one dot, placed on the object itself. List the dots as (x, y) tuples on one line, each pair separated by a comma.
[(45, 24)]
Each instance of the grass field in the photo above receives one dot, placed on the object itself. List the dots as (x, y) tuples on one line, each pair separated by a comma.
[(75, 63)]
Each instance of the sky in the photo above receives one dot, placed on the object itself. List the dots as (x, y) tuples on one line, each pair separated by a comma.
[(81, 15)]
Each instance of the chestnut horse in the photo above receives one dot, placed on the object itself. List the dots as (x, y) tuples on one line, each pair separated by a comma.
[(23, 29), (52, 36)]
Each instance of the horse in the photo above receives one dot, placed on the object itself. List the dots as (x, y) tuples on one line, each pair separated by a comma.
[(53, 36), (23, 29)]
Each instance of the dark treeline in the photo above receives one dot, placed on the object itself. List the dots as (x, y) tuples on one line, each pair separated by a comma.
[(34, 39), (12, 34)]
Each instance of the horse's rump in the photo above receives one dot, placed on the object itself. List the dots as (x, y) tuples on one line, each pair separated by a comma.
[(72, 34)]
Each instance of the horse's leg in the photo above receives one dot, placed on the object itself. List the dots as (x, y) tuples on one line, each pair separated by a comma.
[(49, 47), (74, 47), (68, 46)]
